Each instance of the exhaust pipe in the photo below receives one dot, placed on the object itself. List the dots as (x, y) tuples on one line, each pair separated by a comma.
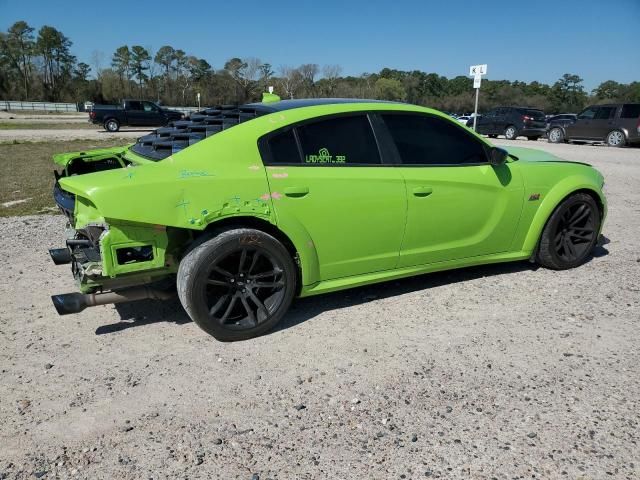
[(60, 256), (68, 303)]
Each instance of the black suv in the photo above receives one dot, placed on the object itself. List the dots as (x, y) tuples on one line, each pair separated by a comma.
[(617, 124), (513, 122)]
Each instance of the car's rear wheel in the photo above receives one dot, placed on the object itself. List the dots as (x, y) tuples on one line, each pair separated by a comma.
[(556, 135), (112, 125), (570, 234), (510, 132), (238, 284), (615, 138)]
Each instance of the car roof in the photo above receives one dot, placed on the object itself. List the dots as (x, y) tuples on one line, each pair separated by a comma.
[(281, 105)]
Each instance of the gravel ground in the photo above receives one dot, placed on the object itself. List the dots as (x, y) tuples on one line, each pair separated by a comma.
[(48, 135), (503, 372)]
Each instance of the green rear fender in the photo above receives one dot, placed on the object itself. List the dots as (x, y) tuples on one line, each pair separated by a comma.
[(304, 245), (552, 199)]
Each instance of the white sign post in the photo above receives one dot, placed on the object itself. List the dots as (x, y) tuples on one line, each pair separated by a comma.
[(477, 71), (198, 98)]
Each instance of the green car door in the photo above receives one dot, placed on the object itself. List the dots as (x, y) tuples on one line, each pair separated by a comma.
[(327, 177), (459, 206)]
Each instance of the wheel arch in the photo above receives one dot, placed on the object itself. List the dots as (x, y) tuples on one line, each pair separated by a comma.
[(552, 200), (296, 241), (625, 132)]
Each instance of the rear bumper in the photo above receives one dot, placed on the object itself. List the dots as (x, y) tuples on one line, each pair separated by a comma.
[(533, 132)]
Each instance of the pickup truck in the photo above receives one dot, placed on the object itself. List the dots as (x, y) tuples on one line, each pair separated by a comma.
[(132, 112)]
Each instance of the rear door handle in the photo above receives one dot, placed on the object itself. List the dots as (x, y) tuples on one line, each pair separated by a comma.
[(296, 191), (422, 191)]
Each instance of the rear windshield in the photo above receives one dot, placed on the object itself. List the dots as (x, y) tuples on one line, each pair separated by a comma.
[(630, 111), (535, 114)]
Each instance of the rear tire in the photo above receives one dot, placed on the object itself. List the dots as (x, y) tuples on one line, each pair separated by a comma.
[(556, 135), (570, 234), (510, 133), (238, 284), (615, 138), (112, 125)]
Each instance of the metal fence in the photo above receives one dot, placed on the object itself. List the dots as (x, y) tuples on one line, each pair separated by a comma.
[(42, 106), (9, 105)]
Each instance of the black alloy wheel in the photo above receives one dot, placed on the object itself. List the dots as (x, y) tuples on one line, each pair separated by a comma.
[(244, 288), (237, 284), (571, 233)]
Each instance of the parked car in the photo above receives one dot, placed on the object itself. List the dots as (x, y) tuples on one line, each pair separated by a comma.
[(560, 119), (303, 197), (617, 124), (464, 119), (470, 121), (132, 112), (513, 122)]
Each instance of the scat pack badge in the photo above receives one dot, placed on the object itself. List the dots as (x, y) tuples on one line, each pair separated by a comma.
[(324, 156)]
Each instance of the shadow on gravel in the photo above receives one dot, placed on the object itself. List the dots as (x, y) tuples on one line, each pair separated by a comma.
[(145, 312)]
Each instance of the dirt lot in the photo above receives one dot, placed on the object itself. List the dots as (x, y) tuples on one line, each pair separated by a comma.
[(495, 372)]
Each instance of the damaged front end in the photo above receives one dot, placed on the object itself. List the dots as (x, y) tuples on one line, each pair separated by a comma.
[(111, 260)]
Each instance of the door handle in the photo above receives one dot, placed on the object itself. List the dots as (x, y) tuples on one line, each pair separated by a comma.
[(296, 192), (422, 191)]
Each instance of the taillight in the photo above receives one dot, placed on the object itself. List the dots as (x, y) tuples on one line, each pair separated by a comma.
[(527, 118), (638, 126), (92, 114)]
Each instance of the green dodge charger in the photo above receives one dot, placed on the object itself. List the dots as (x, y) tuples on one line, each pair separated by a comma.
[(243, 208)]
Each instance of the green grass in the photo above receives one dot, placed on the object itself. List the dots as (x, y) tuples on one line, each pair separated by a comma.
[(62, 125), (26, 173)]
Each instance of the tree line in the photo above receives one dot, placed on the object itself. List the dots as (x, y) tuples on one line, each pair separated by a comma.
[(40, 66)]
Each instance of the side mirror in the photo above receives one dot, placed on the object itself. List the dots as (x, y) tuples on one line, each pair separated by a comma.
[(497, 156)]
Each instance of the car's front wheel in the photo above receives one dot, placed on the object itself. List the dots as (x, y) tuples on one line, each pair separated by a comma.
[(112, 125), (238, 284), (616, 138), (556, 135), (510, 132), (570, 234)]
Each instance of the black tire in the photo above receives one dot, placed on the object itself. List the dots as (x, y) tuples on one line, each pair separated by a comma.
[(533, 139), (616, 138), (511, 132), (112, 125), (556, 135), (238, 284), (570, 234), (493, 135)]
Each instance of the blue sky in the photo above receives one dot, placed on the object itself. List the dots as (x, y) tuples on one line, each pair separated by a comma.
[(519, 40)]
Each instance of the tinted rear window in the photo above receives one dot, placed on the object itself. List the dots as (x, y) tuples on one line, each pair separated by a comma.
[(283, 148), (630, 111), (339, 140), (604, 113)]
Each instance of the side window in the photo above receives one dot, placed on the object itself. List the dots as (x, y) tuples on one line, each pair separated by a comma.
[(630, 110), (426, 140), (604, 113), (587, 114), (149, 107), (135, 105), (338, 141), (490, 113), (283, 148)]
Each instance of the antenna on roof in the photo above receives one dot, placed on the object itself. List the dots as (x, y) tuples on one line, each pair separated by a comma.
[(270, 96)]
